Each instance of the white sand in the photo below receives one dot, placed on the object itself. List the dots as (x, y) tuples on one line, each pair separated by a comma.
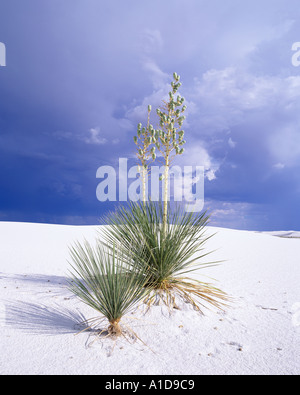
[(259, 334)]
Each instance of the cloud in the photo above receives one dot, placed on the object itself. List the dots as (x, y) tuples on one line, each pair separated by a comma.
[(151, 41), (225, 96), (197, 155), (231, 143), (137, 112), (259, 112), (157, 76), (241, 215), (211, 175), (151, 47), (279, 166), (284, 143), (94, 137)]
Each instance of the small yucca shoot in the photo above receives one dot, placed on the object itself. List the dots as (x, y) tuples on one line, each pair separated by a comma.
[(101, 279)]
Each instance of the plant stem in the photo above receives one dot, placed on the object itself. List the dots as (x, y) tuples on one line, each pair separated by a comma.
[(144, 174), (166, 186), (144, 160)]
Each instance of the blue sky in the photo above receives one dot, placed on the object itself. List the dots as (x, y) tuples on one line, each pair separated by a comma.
[(80, 74)]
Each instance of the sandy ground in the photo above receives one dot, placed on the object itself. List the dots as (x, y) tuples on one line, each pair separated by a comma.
[(258, 334)]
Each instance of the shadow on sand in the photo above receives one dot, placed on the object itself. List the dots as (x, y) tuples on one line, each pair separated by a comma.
[(41, 319)]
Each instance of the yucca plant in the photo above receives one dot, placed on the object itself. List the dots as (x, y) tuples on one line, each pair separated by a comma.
[(171, 251), (100, 278)]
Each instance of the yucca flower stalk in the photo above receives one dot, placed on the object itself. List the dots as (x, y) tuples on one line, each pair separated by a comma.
[(171, 252), (168, 140), (144, 140), (170, 136), (101, 279)]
